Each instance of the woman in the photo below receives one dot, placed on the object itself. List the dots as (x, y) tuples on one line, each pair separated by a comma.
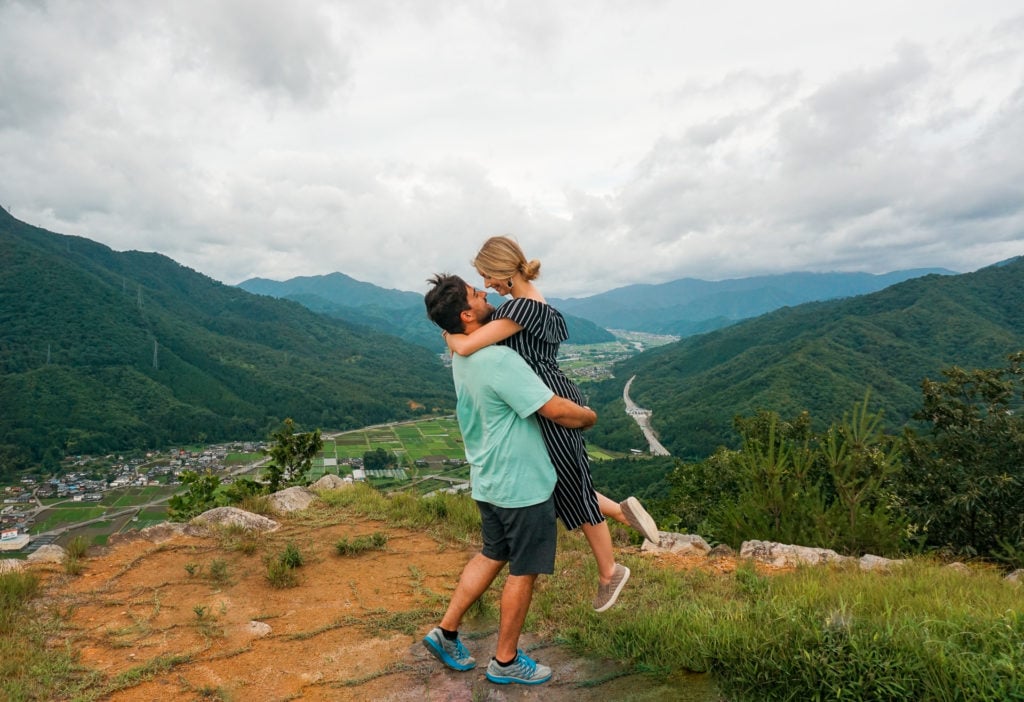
[(534, 329)]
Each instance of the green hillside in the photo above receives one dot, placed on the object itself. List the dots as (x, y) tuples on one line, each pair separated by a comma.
[(103, 350), (822, 357)]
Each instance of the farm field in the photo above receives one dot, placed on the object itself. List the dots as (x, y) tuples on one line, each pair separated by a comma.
[(437, 441)]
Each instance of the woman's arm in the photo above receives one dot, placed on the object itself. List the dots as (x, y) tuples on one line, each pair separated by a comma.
[(490, 333)]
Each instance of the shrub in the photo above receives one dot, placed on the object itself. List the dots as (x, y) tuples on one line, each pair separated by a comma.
[(280, 574), (360, 544)]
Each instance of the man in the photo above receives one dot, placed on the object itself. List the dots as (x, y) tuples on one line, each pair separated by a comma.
[(512, 478)]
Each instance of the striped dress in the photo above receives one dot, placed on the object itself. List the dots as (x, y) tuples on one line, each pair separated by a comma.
[(543, 331)]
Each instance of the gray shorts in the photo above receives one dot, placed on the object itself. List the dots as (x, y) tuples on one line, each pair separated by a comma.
[(523, 536)]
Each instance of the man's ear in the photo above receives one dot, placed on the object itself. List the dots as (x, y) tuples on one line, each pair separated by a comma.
[(467, 316)]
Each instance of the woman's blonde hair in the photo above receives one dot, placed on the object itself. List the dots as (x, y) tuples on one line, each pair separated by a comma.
[(501, 257)]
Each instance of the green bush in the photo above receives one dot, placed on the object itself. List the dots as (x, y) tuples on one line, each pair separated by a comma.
[(281, 575)]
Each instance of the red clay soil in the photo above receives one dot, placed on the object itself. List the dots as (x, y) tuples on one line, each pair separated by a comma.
[(350, 630)]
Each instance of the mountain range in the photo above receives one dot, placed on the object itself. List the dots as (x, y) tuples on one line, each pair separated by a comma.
[(691, 306), (681, 307), (824, 356), (103, 350), (391, 311)]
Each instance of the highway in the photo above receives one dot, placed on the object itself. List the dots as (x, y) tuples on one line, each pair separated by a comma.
[(643, 418)]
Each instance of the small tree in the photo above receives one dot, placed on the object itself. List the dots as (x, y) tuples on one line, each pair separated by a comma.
[(199, 496), (861, 461), (379, 459), (291, 455), (963, 486)]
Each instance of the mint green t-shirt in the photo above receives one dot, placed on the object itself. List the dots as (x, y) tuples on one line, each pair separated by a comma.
[(497, 397)]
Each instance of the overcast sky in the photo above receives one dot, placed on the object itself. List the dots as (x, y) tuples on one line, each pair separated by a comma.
[(619, 142)]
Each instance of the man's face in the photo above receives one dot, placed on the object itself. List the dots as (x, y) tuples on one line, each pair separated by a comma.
[(478, 304)]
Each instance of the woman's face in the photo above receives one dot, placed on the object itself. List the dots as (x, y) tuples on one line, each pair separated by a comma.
[(498, 285)]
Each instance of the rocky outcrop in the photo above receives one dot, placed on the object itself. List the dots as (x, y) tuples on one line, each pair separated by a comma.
[(331, 482), (783, 555), (292, 499), (232, 516), (50, 553), (767, 552), (671, 542)]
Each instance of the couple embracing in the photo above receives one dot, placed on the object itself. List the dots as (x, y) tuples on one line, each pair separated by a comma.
[(521, 420)]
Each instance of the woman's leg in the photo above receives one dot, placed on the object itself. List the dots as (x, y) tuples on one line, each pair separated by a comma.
[(612, 509), (631, 513), (600, 540)]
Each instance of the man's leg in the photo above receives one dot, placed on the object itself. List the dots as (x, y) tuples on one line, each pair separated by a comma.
[(515, 603), (476, 577)]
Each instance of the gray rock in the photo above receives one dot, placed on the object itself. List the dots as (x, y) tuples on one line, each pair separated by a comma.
[(292, 499), (1014, 577), (232, 516), (959, 567), (331, 482), (259, 629), (50, 553), (788, 554), (671, 542), (869, 562)]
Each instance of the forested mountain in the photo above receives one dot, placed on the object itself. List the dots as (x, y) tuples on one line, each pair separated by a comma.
[(824, 356), (336, 288), (392, 311), (102, 350), (691, 306)]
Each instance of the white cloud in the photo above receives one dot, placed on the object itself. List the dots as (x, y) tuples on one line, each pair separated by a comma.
[(618, 143)]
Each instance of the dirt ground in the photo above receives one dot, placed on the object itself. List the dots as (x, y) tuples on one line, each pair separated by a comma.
[(179, 619)]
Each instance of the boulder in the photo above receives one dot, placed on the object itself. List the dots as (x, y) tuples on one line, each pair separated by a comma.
[(869, 562), (292, 499), (1014, 577), (783, 555), (331, 482), (50, 553), (232, 516), (671, 542), (258, 629)]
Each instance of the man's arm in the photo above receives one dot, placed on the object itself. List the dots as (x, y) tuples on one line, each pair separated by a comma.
[(567, 413)]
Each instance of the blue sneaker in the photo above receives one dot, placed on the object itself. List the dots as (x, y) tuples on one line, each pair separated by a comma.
[(452, 653), (523, 670)]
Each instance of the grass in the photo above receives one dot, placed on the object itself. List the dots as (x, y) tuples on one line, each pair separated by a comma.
[(361, 544), (919, 632), (922, 633)]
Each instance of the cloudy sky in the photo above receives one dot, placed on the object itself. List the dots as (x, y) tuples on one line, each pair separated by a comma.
[(619, 142)]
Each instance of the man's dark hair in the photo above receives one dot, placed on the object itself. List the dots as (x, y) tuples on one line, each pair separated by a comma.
[(446, 301)]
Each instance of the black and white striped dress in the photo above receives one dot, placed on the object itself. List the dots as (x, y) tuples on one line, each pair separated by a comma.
[(543, 332)]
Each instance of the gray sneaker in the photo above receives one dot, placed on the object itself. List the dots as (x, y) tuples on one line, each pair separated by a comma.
[(608, 594), (523, 670), (452, 653), (638, 518)]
